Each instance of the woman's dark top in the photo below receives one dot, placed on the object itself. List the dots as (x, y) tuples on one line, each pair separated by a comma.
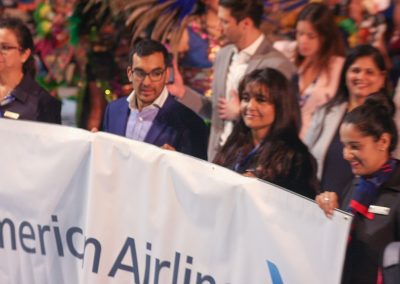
[(288, 164), (29, 101), (370, 237), (337, 172)]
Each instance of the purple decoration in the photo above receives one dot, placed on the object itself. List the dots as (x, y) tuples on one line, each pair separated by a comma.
[(185, 7)]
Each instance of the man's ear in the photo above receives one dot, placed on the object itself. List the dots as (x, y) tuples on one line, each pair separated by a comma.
[(247, 22), (129, 73)]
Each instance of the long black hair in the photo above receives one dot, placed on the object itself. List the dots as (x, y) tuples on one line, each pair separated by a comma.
[(281, 157), (287, 114)]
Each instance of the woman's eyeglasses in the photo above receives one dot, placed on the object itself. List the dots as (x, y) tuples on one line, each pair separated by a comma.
[(6, 48)]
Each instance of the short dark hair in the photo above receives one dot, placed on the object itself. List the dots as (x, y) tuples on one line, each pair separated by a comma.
[(360, 51), (375, 117), (147, 47), (24, 38), (240, 9)]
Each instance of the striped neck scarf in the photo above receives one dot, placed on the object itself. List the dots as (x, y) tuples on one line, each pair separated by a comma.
[(367, 190)]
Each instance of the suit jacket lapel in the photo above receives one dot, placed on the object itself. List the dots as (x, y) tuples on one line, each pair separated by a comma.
[(222, 75), (122, 121), (159, 123), (264, 48), (334, 118)]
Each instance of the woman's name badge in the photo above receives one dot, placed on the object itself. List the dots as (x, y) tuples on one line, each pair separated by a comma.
[(379, 210), (10, 114)]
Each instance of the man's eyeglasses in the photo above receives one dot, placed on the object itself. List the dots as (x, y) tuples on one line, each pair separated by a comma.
[(154, 75), (5, 48)]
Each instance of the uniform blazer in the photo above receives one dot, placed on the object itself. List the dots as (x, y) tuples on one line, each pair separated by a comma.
[(33, 103), (174, 124), (265, 56), (322, 131), (370, 237)]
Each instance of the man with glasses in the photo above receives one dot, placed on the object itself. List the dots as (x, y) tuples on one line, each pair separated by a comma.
[(149, 113)]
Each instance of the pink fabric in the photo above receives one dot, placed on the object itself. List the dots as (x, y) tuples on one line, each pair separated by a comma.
[(325, 88)]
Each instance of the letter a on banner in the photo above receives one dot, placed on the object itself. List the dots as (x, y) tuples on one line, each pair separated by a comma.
[(129, 245)]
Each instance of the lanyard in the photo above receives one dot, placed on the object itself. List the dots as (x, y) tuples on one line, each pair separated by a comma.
[(241, 164)]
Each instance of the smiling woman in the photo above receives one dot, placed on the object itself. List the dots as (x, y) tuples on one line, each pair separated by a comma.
[(363, 74), (20, 96), (265, 143), (369, 136)]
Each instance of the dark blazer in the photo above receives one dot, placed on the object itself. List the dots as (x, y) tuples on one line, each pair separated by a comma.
[(174, 124), (370, 237), (32, 102)]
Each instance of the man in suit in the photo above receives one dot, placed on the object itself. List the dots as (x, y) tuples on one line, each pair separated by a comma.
[(248, 49), (149, 113)]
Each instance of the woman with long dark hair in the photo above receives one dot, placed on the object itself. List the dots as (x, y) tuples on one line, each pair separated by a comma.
[(264, 142), (319, 57), (363, 74)]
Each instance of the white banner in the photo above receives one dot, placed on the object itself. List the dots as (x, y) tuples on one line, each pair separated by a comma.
[(78, 207)]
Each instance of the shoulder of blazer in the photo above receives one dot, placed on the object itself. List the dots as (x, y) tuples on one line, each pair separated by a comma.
[(319, 118), (265, 47), (223, 55), (28, 88), (226, 49), (172, 109), (117, 111), (267, 50), (267, 56), (394, 181), (118, 104)]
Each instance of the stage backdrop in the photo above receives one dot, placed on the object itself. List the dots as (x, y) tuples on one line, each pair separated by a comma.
[(78, 207)]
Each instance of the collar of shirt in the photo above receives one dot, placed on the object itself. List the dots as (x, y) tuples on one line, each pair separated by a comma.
[(245, 54), (24, 88), (158, 103)]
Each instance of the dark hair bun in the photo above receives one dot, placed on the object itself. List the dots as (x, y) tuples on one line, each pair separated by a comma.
[(375, 117), (381, 104)]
